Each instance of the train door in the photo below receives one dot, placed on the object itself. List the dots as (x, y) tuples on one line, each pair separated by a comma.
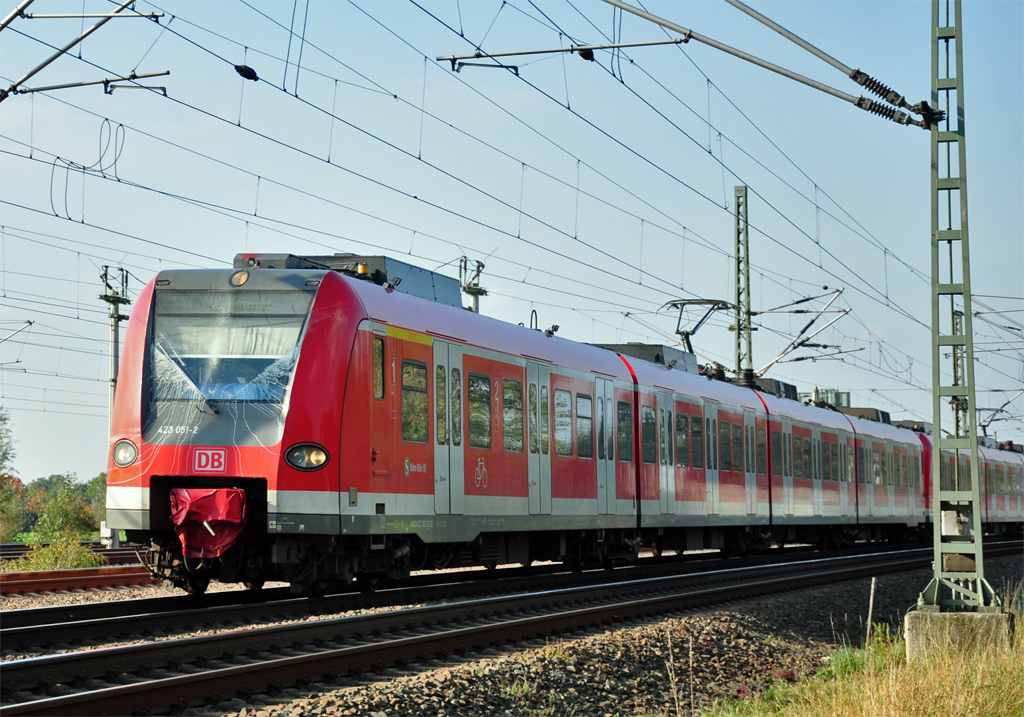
[(816, 462), (666, 465), (449, 473), (538, 382), (871, 469), (605, 399), (890, 476), (711, 457), (844, 476), (787, 466), (750, 464)]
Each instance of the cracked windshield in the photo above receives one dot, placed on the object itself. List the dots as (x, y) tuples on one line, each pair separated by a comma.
[(226, 345)]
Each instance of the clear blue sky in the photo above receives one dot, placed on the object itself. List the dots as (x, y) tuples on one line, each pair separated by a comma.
[(589, 189)]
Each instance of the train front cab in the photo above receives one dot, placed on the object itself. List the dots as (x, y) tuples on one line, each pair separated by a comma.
[(213, 364)]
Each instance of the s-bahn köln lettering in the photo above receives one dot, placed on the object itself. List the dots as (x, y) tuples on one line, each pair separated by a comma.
[(308, 419)]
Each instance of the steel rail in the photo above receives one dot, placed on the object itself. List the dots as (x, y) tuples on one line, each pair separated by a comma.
[(105, 620), (495, 624), (81, 579)]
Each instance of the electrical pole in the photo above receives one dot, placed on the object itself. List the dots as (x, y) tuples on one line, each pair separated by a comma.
[(744, 340), (959, 582), (115, 296), (470, 282)]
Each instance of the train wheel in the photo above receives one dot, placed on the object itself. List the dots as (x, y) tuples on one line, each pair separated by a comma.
[(369, 583), (318, 588), (196, 583)]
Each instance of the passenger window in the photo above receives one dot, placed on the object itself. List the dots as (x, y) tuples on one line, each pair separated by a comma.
[(534, 443), (737, 447), (697, 442), (725, 458), (600, 427), (762, 451), (610, 430), (798, 458), (441, 409), (808, 469), (682, 440), (648, 435), (861, 469), (378, 368), (776, 453), (479, 411), (456, 407), (669, 443), (788, 454), (544, 418), (563, 423), (415, 423), (625, 431), (584, 426), (713, 437), (512, 415), (834, 451)]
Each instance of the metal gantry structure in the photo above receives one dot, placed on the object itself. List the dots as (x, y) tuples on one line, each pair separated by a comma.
[(115, 294), (959, 581), (744, 341)]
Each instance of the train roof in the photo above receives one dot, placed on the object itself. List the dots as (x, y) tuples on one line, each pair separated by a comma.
[(486, 332), (442, 321)]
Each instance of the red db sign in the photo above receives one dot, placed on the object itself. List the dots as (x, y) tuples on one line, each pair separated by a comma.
[(209, 460)]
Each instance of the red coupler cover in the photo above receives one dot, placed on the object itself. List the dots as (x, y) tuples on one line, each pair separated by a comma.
[(208, 521)]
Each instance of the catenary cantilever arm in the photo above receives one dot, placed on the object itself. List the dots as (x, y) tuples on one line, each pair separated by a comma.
[(929, 116)]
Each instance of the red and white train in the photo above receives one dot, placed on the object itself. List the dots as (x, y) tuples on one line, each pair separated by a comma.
[(306, 423)]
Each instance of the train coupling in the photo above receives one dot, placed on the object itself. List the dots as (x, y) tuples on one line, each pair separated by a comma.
[(207, 521)]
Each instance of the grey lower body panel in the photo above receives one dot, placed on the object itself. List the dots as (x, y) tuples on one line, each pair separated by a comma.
[(128, 519), (441, 528)]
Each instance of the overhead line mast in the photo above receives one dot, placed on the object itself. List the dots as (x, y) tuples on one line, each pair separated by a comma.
[(959, 580), (744, 340)]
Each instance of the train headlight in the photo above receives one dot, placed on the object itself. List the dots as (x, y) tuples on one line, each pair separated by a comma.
[(125, 453), (306, 457)]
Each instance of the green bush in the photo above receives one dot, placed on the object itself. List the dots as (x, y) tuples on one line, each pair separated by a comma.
[(64, 553), (66, 515)]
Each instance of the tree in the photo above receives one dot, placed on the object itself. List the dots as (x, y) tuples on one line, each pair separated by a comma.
[(66, 514), (6, 444), (13, 505), (96, 495)]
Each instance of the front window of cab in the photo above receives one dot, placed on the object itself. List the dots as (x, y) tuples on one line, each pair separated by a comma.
[(225, 345)]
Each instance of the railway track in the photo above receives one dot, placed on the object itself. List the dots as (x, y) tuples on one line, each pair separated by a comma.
[(159, 676), (89, 624), (114, 556), (79, 579)]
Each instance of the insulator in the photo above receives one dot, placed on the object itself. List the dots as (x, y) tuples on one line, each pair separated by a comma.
[(887, 112), (877, 87)]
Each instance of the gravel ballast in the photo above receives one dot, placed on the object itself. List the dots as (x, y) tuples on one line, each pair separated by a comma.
[(637, 669)]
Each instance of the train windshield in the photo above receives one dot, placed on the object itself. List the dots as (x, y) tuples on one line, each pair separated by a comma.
[(226, 345)]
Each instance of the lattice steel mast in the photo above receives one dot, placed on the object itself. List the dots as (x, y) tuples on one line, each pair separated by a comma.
[(959, 581), (744, 342)]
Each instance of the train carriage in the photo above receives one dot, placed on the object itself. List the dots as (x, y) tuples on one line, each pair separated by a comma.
[(308, 424)]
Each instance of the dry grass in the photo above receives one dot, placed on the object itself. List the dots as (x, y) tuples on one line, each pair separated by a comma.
[(877, 681)]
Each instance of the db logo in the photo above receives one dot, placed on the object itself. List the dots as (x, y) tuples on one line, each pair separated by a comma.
[(209, 460)]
